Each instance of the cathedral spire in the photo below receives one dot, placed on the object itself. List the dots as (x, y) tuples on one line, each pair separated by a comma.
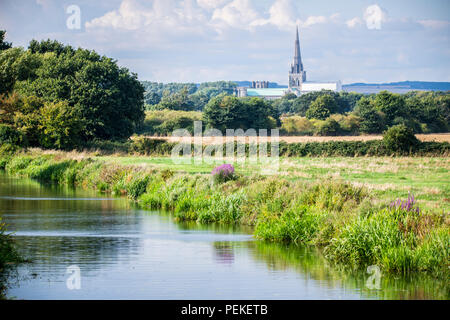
[(297, 75), (298, 66)]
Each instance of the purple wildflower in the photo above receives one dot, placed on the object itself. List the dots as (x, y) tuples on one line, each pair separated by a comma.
[(224, 169), (223, 173), (407, 205)]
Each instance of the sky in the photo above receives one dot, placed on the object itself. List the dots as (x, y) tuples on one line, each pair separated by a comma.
[(208, 40)]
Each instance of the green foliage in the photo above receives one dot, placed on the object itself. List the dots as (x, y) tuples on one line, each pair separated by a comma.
[(10, 135), (296, 125), (392, 105), (184, 96), (424, 112), (107, 98), (228, 112), (3, 44), (400, 138), (371, 119), (321, 108), (149, 146), (60, 126), (61, 97), (164, 122), (329, 127)]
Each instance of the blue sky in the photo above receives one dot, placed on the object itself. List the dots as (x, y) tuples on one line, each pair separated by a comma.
[(208, 40)]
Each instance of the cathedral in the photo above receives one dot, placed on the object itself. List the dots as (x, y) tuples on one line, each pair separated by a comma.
[(297, 81)]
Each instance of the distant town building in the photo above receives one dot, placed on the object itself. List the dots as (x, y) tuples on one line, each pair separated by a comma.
[(297, 82), (260, 84)]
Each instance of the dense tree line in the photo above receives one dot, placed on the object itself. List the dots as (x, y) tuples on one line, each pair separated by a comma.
[(184, 96), (332, 113), (60, 97), (229, 112)]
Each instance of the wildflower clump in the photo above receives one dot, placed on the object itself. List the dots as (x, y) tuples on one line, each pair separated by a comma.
[(223, 173), (408, 205)]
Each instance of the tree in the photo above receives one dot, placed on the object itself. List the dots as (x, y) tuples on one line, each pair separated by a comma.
[(391, 104), (109, 99), (229, 112), (177, 101), (3, 44), (152, 98), (321, 108), (16, 65), (371, 119), (59, 125)]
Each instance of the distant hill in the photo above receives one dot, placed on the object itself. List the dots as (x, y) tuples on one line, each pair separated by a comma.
[(399, 87)]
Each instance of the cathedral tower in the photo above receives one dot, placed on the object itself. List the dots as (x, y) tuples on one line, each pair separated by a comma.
[(297, 75)]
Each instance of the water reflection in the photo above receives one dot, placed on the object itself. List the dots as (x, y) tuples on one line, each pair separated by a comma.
[(224, 252), (309, 261)]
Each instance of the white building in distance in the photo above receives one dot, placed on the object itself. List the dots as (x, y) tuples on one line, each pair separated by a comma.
[(297, 82)]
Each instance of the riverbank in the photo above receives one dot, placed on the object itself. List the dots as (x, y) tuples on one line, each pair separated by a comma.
[(345, 220)]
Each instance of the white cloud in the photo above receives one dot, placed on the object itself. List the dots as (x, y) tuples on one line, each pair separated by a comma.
[(335, 17), (374, 17), (281, 15), (352, 23), (435, 24), (237, 14), (211, 4), (312, 20), (129, 16), (163, 15)]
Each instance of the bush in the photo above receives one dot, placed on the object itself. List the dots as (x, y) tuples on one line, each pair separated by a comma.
[(9, 135), (149, 146), (296, 125), (329, 127), (400, 138)]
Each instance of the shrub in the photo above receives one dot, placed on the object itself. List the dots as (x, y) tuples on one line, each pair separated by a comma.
[(297, 125), (400, 138), (149, 146), (329, 127), (10, 135)]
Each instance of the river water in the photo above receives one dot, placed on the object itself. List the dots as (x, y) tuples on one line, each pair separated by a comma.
[(124, 252)]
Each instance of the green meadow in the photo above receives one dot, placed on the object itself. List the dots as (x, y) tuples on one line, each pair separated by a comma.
[(427, 178)]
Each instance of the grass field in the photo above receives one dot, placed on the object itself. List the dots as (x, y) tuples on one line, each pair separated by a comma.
[(387, 177)]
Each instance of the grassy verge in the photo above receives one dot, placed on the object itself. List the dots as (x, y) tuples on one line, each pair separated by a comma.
[(346, 220)]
